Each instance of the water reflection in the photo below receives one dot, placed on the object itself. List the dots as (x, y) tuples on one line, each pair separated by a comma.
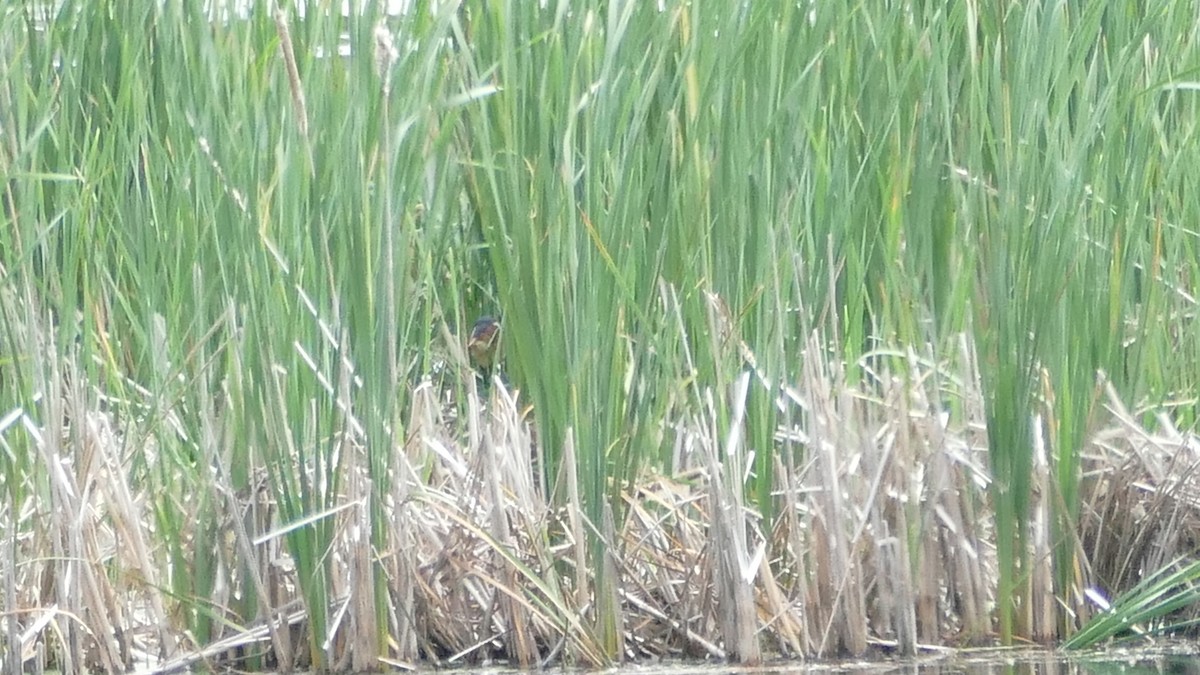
[(1175, 658), (1040, 662)]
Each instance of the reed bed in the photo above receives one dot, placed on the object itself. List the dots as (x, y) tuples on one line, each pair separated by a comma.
[(827, 329), (487, 564)]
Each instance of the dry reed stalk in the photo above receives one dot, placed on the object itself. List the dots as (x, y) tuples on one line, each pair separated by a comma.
[(14, 654), (569, 476), (513, 619), (18, 649), (776, 612), (734, 602), (358, 648), (888, 453), (85, 623), (364, 649), (830, 434), (615, 619), (128, 523), (974, 561), (288, 52), (422, 448), (939, 517), (402, 581), (1042, 613), (795, 552)]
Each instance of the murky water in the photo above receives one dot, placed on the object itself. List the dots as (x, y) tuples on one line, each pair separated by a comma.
[(1173, 657)]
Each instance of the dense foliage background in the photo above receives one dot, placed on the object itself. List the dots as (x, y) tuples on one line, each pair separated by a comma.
[(239, 254)]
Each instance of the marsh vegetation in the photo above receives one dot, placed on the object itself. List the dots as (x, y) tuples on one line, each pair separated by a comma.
[(826, 328)]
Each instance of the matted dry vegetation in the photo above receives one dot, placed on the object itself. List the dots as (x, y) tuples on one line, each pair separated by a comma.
[(880, 542)]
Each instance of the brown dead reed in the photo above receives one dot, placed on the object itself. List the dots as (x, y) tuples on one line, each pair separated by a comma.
[(880, 537)]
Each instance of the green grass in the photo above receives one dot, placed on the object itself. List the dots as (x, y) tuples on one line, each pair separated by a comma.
[(254, 291)]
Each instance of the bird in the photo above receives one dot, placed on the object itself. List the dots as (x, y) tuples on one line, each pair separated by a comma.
[(483, 345)]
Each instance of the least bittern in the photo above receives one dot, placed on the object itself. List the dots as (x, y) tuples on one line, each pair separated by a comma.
[(484, 344)]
